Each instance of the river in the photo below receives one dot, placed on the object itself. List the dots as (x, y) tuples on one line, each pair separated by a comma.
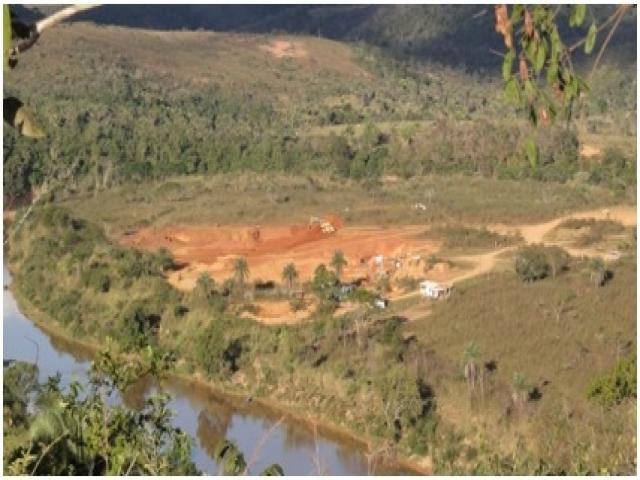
[(205, 416)]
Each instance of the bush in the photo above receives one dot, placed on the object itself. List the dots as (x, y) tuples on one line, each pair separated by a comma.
[(558, 259), (532, 263), (613, 388), (164, 260), (362, 295), (97, 278), (323, 282), (297, 303), (408, 284), (138, 326)]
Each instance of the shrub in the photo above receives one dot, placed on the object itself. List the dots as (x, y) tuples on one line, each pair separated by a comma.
[(535, 262), (362, 295), (598, 273), (97, 278), (532, 264), (297, 303), (408, 284), (611, 389), (558, 259), (164, 259), (327, 306), (323, 282)]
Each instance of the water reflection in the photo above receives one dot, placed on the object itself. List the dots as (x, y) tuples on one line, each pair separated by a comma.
[(206, 415)]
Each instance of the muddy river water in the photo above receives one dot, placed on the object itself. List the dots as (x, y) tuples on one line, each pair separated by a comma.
[(203, 414)]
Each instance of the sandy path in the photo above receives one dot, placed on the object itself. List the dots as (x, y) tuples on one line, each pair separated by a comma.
[(536, 233)]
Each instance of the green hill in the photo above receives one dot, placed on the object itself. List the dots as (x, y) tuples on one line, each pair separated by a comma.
[(123, 104), (454, 35)]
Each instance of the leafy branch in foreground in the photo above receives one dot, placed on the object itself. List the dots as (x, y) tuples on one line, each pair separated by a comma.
[(18, 37), (77, 431), (537, 69)]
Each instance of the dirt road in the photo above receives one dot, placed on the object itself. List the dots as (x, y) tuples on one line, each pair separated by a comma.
[(536, 233)]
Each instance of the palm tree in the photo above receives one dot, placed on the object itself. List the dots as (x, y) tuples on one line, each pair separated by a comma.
[(338, 262), (289, 274), (205, 286), (471, 354), (598, 272), (241, 270)]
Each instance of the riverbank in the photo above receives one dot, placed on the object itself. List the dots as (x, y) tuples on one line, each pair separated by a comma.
[(293, 414)]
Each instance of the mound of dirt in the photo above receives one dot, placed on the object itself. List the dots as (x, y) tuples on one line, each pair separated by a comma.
[(285, 49), (334, 220)]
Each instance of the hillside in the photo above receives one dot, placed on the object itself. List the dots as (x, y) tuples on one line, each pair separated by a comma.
[(330, 208), (207, 102), (453, 35)]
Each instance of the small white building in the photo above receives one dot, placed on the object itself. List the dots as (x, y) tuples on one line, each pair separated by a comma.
[(431, 289)]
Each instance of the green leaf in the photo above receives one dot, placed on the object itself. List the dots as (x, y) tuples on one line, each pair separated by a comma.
[(591, 38), (516, 13), (507, 65), (541, 56), (540, 12), (6, 45), (529, 90), (532, 152), (552, 72), (577, 15), (512, 92), (556, 43), (530, 50)]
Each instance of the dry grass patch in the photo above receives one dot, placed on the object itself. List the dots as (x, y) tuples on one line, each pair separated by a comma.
[(559, 333)]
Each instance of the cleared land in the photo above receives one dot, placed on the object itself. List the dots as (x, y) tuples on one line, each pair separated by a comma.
[(269, 248), (371, 252)]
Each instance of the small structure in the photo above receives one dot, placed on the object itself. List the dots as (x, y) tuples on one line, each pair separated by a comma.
[(436, 290), (380, 303)]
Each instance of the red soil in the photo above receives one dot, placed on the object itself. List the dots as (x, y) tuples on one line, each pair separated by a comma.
[(269, 248)]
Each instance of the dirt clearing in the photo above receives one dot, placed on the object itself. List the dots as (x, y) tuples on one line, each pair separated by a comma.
[(285, 49), (368, 250)]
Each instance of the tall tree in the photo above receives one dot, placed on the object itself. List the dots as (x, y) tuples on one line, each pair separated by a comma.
[(241, 271), (471, 354), (338, 262), (289, 274)]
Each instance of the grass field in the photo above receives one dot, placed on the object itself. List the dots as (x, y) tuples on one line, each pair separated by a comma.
[(282, 199), (559, 333)]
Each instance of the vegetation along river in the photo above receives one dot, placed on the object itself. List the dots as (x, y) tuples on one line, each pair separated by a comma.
[(203, 414)]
